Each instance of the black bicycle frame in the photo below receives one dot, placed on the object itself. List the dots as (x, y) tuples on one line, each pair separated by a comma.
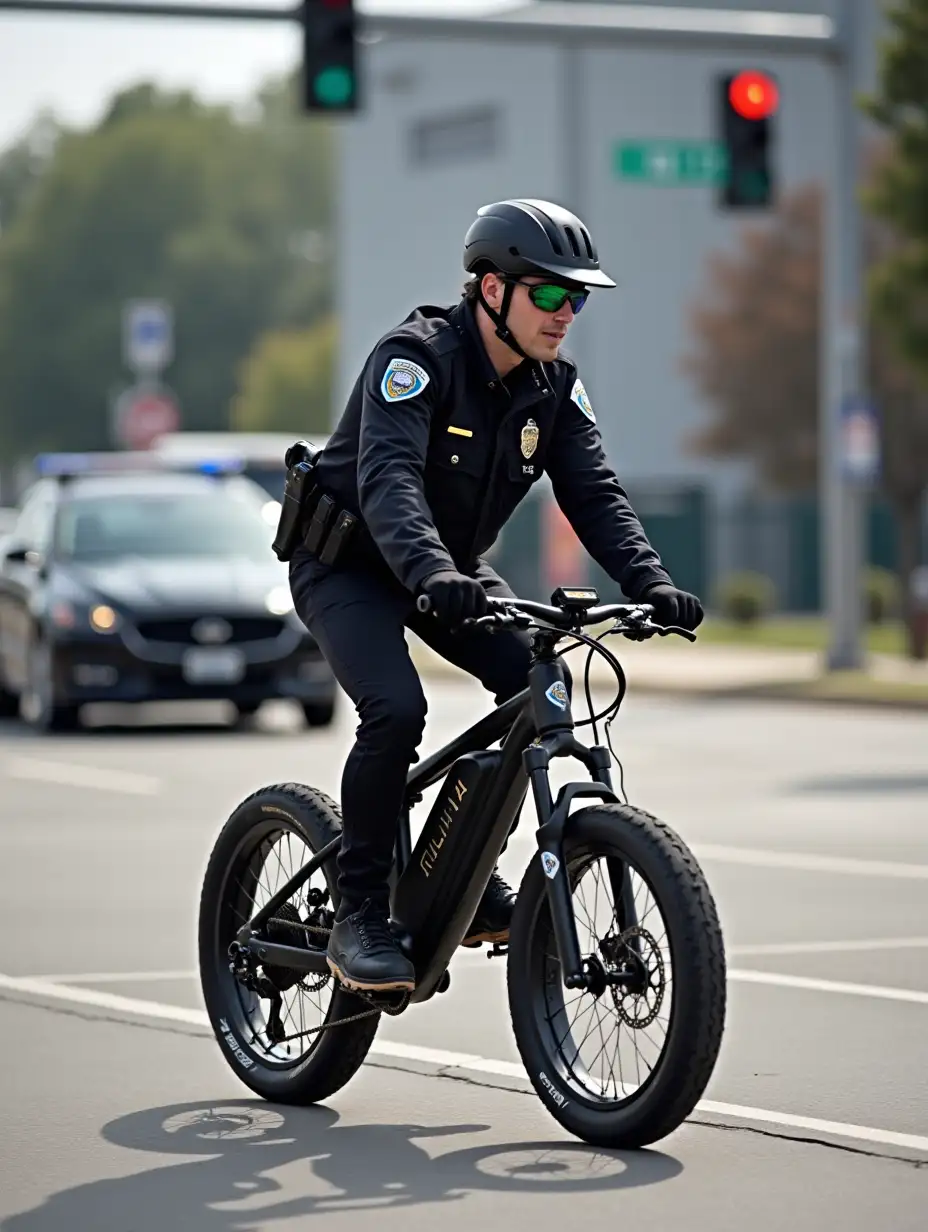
[(432, 913)]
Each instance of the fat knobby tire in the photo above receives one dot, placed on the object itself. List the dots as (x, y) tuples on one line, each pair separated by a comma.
[(699, 988), (336, 1054)]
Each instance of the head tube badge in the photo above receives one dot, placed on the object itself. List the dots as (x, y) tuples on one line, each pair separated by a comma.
[(403, 379), (550, 863), (580, 396), (557, 693)]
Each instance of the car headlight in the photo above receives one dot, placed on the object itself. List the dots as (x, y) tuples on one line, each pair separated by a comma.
[(279, 601), (103, 619)]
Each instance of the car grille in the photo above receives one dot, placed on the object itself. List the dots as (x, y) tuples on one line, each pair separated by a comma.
[(244, 629)]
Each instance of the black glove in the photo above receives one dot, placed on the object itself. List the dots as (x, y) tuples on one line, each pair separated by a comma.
[(455, 597), (673, 607)]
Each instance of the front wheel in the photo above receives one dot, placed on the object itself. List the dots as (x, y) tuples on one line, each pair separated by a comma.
[(623, 1062), (267, 1020)]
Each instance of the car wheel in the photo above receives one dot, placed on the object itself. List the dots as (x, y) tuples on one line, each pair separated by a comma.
[(9, 703), (318, 714), (38, 705)]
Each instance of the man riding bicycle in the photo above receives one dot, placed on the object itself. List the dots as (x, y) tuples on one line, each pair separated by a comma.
[(456, 413)]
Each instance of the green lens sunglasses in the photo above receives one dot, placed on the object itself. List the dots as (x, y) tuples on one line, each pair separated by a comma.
[(548, 297)]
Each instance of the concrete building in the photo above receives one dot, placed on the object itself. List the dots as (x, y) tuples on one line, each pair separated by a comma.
[(456, 117)]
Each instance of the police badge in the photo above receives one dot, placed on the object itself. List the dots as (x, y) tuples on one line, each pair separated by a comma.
[(529, 438)]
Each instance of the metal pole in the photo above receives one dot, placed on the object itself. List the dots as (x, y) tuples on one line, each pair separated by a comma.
[(840, 502)]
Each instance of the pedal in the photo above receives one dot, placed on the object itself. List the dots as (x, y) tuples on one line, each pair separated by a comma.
[(498, 950)]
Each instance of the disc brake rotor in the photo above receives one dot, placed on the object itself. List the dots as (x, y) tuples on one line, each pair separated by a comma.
[(638, 1009)]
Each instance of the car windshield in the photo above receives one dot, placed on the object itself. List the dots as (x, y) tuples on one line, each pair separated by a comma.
[(210, 524)]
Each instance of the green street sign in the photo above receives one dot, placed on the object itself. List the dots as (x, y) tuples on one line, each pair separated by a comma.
[(669, 162)]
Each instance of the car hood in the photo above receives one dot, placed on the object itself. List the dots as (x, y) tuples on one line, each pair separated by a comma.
[(230, 584)]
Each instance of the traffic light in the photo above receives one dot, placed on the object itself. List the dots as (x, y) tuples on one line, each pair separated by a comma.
[(747, 102), (330, 77)]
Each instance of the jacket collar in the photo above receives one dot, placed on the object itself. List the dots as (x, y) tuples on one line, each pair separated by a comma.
[(529, 381)]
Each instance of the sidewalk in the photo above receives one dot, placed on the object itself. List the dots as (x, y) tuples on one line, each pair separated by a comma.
[(673, 667)]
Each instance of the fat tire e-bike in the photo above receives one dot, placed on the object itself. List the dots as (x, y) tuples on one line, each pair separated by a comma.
[(615, 959)]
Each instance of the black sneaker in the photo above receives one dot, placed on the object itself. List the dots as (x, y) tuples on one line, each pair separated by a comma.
[(494, 913), (363, 952)]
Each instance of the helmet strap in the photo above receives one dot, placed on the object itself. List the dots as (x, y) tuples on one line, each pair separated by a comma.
[(503, 332)]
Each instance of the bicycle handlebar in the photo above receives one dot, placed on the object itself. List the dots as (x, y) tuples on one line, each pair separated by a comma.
[(637, 614)]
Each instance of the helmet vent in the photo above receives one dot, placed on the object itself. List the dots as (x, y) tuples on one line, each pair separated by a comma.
[(513, 250), (574, 246), (587, 241)]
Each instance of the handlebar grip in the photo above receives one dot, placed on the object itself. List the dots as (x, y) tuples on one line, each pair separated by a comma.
[(424, 604)]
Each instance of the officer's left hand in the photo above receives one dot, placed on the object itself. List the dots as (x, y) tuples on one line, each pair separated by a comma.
[(673, 606)]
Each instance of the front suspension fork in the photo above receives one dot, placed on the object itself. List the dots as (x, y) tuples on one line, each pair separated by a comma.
[(552, 816)]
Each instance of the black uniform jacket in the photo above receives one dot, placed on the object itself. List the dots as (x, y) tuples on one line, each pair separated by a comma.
[(435, 451)]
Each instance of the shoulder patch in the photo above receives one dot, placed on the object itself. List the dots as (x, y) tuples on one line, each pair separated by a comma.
[(403, 379), (579, 395)]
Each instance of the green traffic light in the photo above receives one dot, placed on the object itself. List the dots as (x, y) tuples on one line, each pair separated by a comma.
[(334, 86)]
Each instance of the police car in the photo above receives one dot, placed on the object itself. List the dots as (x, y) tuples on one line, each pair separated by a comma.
[(125, 578)]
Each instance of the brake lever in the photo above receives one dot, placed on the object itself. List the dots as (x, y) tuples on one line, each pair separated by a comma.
[(667, 629)]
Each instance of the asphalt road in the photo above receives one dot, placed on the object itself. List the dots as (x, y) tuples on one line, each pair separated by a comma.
[(120, 1114)]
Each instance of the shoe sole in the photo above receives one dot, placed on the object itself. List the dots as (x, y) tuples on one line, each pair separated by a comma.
[(477, 938), (369, 985)]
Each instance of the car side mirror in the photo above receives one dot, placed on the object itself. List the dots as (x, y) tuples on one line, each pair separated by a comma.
[(25, 556)]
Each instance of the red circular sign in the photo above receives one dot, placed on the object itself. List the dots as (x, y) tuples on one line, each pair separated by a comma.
[(754, 95), (144, 416)]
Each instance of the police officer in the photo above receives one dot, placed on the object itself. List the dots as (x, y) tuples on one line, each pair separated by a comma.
[(456, 413)]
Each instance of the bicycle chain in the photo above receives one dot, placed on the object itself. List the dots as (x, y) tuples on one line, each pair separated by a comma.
[(340, 1022)]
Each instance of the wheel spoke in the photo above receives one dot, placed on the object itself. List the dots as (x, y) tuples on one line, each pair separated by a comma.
[(591, 1029)]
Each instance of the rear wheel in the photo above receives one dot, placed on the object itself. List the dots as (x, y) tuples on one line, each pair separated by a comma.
[(318, 714), (267, 1030), (38, 705), (9, 703), (623, 1062)]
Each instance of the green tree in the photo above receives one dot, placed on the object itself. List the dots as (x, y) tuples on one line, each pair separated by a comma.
[(898, 284), (166, 198), (24, 163), (754, 358), (286, 383)]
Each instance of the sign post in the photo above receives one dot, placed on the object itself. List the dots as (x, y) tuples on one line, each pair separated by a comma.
[(147, 409)]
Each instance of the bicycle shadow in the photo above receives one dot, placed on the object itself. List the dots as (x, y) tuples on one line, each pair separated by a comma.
[(352, 1167)]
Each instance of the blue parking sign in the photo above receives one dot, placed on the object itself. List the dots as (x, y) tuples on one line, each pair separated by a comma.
[(148, 335)]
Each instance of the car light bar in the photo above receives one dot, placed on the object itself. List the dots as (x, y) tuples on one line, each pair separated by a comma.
[(117, 462)]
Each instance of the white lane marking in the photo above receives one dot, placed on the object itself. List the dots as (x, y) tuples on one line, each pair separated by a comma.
[(118, 977), (440, 1057), (829, 947), (72, 775), (838, 1129), (460, 1060), (804, 862), (840, 986)]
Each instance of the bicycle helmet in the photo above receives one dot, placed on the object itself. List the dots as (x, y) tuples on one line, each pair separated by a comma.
[(526, 236)]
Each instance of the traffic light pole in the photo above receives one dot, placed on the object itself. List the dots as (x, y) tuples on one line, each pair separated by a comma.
[(840, 500)]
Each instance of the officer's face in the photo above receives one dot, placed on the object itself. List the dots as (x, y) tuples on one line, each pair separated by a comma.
[(538, 333)]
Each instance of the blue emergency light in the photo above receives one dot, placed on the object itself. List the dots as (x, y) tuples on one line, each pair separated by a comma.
[(63, 465)]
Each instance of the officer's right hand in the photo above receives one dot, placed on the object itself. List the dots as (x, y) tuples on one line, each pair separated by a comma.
[(455, 597)]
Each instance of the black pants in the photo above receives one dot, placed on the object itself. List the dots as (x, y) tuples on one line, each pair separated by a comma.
[(358, 617)]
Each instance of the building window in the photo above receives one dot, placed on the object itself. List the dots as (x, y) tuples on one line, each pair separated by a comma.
[(462, 137)]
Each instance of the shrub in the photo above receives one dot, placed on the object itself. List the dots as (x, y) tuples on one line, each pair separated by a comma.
[(746, 597), (881, 594)]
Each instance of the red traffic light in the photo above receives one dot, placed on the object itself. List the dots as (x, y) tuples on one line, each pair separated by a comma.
[(754, 96)]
